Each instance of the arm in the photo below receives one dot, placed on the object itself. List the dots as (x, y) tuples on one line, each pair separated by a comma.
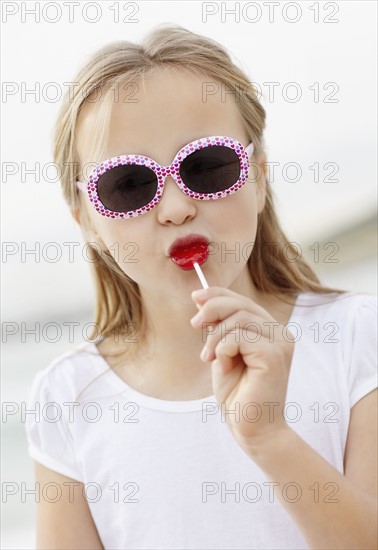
[(351, 521), (247, 370), (64, 524)]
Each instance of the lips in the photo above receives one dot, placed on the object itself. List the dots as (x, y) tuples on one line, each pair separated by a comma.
[(187, 250)]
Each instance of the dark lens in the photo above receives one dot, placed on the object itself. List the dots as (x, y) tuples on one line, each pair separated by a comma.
[(128, 187), (211, 169)]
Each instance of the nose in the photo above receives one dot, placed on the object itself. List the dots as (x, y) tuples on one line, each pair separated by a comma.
[(175, 207)]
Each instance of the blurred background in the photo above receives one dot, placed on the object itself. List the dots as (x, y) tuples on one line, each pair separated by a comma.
[(321, 137)]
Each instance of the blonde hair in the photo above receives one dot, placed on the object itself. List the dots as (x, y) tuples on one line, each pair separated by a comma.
[(118, 299)]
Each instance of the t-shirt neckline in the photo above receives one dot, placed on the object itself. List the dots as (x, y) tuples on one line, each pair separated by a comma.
[(150, 402)]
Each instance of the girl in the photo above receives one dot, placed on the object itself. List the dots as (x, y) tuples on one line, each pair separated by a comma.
[(240, 416)]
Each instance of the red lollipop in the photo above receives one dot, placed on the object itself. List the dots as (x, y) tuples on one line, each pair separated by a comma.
[(189, 255)]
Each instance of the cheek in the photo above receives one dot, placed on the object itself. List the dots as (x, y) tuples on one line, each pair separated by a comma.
[(232, 224), (117, 235), (109, 231), (110, 235), (129, 243), (121, 245), (237, 214)]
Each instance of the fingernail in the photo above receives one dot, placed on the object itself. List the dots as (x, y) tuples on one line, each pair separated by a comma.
[(197, 319), (204, 354)]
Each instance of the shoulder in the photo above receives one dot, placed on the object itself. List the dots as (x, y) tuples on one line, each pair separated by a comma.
[(51, 422), (348, 321), (351, 316), (342, 307), (341, 332), (68, 374)]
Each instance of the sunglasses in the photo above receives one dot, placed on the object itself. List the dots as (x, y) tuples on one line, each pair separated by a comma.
[(209, 168)]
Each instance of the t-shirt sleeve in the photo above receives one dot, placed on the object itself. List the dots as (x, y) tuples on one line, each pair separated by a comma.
[(363, 373), (47, 425)]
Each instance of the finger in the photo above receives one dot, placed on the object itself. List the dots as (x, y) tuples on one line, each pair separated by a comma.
[(242, 325), (220, 367), (226, 375), (258, 357), (200, 296), (220, 307), (263, 356), (226, 360)]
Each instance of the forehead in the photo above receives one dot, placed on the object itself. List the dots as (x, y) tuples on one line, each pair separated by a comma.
[(158, 114)]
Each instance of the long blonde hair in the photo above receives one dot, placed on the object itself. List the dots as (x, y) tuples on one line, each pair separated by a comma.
[(118, 300)]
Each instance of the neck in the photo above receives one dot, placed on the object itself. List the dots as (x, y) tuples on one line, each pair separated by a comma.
[(167, 364), (172, 342)]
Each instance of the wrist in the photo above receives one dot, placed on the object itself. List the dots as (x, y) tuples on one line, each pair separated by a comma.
[(265, 445)]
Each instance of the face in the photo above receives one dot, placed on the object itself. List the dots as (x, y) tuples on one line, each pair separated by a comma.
[(168, 114)]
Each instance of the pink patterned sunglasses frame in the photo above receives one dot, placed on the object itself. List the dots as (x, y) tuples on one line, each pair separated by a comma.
[(243, 153)]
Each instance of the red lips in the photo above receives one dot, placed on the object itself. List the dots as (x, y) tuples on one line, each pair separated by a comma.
[(193, 248)]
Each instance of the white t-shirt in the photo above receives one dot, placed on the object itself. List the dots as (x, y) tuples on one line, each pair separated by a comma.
[(169, 474)]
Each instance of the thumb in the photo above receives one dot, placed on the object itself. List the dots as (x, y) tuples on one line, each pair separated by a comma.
[(226, 375), (221, 366)]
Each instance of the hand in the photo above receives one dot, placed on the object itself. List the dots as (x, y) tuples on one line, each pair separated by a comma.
[(250, 367)]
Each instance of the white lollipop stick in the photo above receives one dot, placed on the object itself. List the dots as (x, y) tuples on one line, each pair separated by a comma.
[(201, 276)]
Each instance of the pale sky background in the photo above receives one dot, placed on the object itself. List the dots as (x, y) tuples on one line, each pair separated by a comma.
[(304, 132)]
